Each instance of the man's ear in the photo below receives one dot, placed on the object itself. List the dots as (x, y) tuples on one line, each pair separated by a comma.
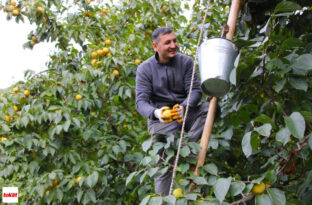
[(155, 47)]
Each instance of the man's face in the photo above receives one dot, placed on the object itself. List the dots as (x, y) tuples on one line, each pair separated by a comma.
[(167, 46)]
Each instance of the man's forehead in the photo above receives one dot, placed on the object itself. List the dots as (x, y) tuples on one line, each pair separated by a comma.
[(167, 36)]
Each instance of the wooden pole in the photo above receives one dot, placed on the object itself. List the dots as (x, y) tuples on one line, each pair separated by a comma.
[(213, 103)]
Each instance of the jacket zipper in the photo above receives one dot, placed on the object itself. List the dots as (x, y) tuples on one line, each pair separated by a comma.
[(169, 85)]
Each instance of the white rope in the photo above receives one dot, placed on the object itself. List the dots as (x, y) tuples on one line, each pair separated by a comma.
[(188, 101)]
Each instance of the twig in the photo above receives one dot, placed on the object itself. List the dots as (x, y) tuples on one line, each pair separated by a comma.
[(244, 199)]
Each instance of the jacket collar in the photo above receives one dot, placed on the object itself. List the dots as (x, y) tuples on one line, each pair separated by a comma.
[(171, 62)]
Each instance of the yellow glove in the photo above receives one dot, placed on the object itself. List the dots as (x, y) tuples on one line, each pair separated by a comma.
[(164, 114), (177, 112)]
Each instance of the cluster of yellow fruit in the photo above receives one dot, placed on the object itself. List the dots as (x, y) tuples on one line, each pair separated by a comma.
[(16, 90), (34, 40), (15, 10), (104, 11), (99, 53)]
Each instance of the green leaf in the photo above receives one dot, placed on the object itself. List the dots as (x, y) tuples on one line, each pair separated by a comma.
[(184, 167), (247, 149), (79, 195), (303, 62), (155, 201), (66, 125), (307, 115), (299, 83), (277, 196), (145, 200), (200, 180), (283, 136), (185, 151), (147, 144), (263, 199), (152, 171), (32, 166), (130, 178), (221, 188), (77, 122), (91, 195), (236, 188), (296, 124), (264, 130), (264, 119), (171, 200), (5, 128), (286, 6), (280, 85), (191, 197), (211, 169)]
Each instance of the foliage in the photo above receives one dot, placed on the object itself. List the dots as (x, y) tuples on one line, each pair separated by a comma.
[(61, 149)]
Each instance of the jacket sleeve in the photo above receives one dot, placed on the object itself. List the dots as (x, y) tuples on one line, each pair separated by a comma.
[(196, 91), (143, 92)]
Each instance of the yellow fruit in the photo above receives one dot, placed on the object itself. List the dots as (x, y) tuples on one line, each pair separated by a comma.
[(26, 92), (116, 73), (105, 50), (15, 89), (93, 62), (258, 188), (39, 9), (106, 11), (89, 1), (11, 7), (32, 43), (54, 182), (167, 114), (137, 61), (15, 108), (47, 192), (94, 54), (124, 126), (34, 38), (108, 42), (7, 118), (27, 7), (109, 55), (13, 3), (3, 139), (5, 9), (73, 182), (178, 193), (100, 52), (78, 179), (15, 12), (78, 97)]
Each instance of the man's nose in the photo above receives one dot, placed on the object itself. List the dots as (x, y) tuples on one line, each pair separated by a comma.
[(173, 44)]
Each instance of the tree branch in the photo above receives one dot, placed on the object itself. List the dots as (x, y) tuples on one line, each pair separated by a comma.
[(244, 199)]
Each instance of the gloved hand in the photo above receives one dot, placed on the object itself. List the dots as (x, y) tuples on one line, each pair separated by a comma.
[(164, 114), (177, 112)]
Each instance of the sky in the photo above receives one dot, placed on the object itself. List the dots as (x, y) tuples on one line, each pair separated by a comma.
[(13, 57)]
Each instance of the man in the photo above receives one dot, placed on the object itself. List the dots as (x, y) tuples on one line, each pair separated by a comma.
[(163, 81)]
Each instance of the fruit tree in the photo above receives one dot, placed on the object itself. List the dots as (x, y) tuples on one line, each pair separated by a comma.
[(71, 134)]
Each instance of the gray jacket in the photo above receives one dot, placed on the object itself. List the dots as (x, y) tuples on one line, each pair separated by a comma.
[(160, 84)]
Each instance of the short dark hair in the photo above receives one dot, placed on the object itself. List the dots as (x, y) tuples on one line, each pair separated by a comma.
[(161, 30)]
